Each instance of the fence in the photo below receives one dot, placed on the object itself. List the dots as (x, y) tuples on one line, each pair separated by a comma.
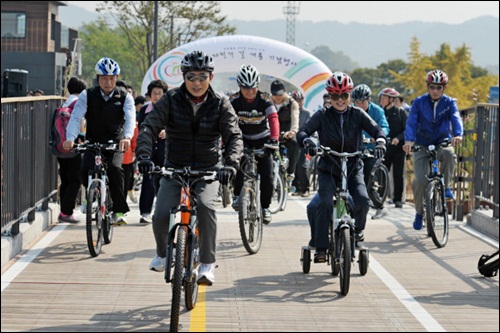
[(29, 171)]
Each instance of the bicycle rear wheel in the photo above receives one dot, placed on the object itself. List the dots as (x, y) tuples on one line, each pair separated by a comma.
[(345, 259), (107, 222), (180, 252), (279, 195), (94, 220), (312, 173), (436, 213), (191, 289), (378, 185), (250, 220)]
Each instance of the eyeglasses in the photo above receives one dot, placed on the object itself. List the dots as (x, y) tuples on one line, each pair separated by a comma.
[(343, 96), (201, 78), (436, 88)]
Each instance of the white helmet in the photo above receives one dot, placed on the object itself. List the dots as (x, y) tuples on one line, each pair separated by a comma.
[(248, 77), (107, 66)]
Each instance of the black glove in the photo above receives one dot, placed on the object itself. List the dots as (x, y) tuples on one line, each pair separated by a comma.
[(272, 142), (309, 147), (379, 151), (226, 174), (145, 164)]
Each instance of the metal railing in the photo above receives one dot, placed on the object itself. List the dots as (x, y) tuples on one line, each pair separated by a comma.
[(29, 172)]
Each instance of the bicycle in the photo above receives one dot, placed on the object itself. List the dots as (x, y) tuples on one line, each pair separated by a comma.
[(183, 237), (378, 183), (99, 207), (225, 193), (341, 233), (282, 184), (312, 172), (436, 211), (249, 210)]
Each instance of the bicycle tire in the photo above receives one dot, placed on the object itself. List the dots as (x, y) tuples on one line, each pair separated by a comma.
[(306, 260), (436, 213), (107, 222), (313, 173), (191, 289), (180, 252), (363, 261), (94, 220), (278, 195), (287, 186), (345, 260), (250, 220), (378, 185), (335, 267)]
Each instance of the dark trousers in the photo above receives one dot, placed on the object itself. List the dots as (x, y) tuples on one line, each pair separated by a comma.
[(128, 177), (292, 152), (395, 157), (69, 172), (149, 188), (301, 181), (115, 176)]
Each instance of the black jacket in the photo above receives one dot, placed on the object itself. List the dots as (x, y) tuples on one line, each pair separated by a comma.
[(193, 140), (341, 131)]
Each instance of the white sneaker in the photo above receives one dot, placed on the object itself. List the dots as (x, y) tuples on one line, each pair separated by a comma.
[(145, 218), (380, 213), (158, 264), (132, 196), (206, 274)]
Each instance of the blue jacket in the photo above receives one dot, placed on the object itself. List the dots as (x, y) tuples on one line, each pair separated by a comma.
[(377, 114), (426, 126)]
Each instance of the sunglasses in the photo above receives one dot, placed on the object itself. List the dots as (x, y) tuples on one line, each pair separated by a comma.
[(343, 96), (201, 78), (436, 88)]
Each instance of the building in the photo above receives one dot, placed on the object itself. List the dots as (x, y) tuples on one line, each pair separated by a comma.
[(33, 40)]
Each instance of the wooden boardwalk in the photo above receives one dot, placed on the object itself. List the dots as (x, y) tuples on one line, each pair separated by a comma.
[(410, 285)]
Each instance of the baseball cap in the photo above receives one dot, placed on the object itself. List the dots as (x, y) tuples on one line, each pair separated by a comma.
[(277, 88)]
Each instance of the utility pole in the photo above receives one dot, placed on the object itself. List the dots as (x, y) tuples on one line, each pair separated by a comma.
[(291, 11)]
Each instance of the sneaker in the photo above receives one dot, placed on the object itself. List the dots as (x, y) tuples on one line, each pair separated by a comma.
[(206, 274), (119, 219), (320, 256), (145, 218), (419, 222), (290, 177), (360, 235), (305, 194), (381, 212), (297, 194), (449, 194), (132, 196), (399, 204), (158, 264), (236, 203), (67, 218), (266, 216)]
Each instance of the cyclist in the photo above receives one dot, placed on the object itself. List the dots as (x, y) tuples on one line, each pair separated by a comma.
[(361, 96), (195, 117), (258, 120), (301, 181), (430, 121), (395, 156), (288, 115), (339, 127), (110, 115)]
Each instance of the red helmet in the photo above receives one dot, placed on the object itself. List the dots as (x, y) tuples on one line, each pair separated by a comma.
[(390, 92), (339, 83), (297, 95), (437, 76)]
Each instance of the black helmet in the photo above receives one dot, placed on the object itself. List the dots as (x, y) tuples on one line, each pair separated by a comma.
[(277, 88), (197, 61), (361, 92)]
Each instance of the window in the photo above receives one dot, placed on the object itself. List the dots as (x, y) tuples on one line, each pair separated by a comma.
[(13, 25)]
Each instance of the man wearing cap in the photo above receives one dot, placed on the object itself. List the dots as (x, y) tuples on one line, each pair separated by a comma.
[(288, 115)]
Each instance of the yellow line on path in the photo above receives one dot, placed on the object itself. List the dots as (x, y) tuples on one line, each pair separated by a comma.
[(197, 323)]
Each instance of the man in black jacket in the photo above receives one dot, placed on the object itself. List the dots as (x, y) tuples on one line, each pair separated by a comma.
[(195, 117)]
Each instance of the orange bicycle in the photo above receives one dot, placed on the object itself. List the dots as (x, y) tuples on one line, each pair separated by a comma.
[(183, 237)]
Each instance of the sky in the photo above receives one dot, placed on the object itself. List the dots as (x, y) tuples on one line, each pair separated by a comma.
[(370, 12)]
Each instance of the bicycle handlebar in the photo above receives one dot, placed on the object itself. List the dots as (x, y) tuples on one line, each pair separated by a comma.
[(443, 144), (328, 151), (96, 146), (186, 172)]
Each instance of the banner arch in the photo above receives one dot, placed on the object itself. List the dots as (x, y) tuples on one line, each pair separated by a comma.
[(280, 60)]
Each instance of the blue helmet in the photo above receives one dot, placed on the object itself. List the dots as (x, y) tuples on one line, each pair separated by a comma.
[(107, 66)]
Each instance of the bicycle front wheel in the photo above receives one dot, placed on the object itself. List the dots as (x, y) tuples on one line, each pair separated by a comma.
[(107, 222), (378, 185), (345, 259), (250, 220), (436, 213), (180, 252), (191, 289), (279, 195), (94, 220)]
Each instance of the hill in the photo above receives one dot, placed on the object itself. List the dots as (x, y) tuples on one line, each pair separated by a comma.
[(367, 44)]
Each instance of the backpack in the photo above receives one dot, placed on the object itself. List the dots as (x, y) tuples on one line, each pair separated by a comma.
[(60, 120)]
